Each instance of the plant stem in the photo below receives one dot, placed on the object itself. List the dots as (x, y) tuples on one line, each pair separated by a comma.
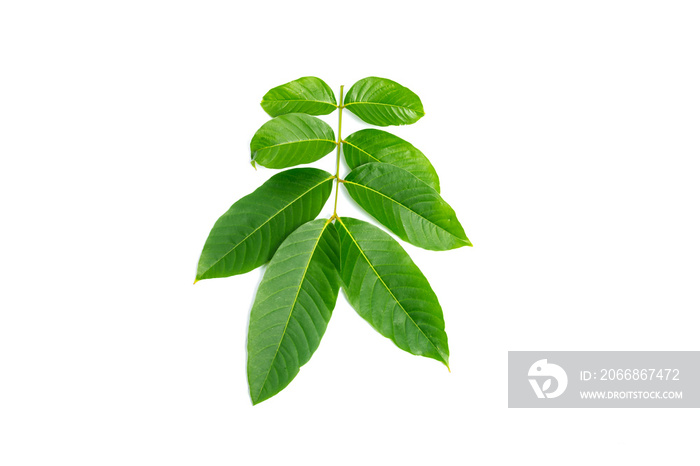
[(337, 159)]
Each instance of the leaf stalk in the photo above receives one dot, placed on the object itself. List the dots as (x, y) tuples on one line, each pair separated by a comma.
[(337, 159)]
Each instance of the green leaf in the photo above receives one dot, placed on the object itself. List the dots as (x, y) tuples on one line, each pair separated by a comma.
[(373, 145), (383, 102), (292, 307), (414, 211), (249, 233), (389, 291), (289, 140), (308, 95)]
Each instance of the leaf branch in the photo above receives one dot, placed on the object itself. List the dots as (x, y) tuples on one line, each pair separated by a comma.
[(337, 159)]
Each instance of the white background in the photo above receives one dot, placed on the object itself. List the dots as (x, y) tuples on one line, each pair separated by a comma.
[(566, 138)]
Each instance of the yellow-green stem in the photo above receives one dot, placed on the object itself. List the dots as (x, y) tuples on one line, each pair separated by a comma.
[(337, 159)]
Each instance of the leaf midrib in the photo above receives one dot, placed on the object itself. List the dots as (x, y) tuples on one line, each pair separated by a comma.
[(420, 112), (300, 100), (292, 142), (404, 206), (266, 222), (390, 292), (291, 308), (361, 150)]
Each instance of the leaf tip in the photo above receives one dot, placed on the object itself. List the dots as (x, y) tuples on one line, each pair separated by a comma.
[(252, 162), (445, 359), (258, 400), (195, 281)]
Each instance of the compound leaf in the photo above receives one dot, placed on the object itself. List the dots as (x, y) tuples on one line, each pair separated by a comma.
[(383, 102), (374, 145), (292, 307), (292, 139), (249, 233), (414, 211), (389, 291), (308, 95)]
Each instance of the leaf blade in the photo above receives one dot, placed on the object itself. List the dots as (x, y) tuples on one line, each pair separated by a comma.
[(373, 145), (292, 307), (389, 291), (309, 95), (292, 139), (383, 102), (250, 231), (411, 209)]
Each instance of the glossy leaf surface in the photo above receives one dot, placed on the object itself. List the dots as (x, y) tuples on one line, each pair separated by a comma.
[(247, 235), (389, 291), (292, 307), (383, 102), (308, 95), (373, 145), (414, 211), (289, 140)]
